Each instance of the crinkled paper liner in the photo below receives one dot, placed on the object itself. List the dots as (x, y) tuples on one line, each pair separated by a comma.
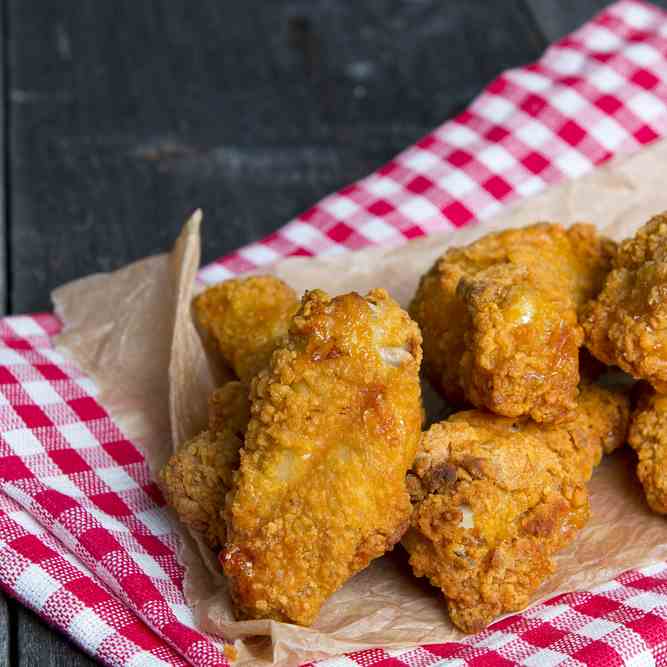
[(132, 332)]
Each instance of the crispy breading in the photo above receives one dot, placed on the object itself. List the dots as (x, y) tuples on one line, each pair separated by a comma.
[(242, 320), (198, 476), (499, 318), (229, 409), (627, 324), (648, 437), (335, 425), (496, 497)]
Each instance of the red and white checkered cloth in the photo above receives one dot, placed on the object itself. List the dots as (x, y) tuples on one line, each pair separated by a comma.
[(84, 537)]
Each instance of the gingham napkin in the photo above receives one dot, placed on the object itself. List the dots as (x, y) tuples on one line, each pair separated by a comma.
[(84, 537)]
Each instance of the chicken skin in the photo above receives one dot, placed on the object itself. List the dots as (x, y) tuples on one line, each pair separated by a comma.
[(500, 318), (242, 320), (648, 437), (335, 424), (198, 476), (627, 324), (495, 498)]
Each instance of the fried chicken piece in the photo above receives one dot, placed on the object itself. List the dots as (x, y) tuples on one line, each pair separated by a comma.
[(648, 437), (495, 498), (499, 318), (198, 476), (229, 409), (242, 320), (627, 324), (334, 427)]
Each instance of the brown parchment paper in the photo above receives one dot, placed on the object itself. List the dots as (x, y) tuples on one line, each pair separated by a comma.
[(132, 332)]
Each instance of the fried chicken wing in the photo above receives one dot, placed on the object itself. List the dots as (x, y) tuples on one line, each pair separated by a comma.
[(648, 437), (334, 427), (627, 324), (242, 321), (495, 498), (499, 318), (198, 476)]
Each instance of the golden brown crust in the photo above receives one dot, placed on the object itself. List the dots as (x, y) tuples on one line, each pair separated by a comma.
[(242, 321), (499, 318), (627, 324), (197, 477), (648, 437), (495, 498), (335, 424), (229, 409)]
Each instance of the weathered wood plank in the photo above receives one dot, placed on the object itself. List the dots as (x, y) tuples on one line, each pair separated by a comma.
[(38, 644), (127, 115), (6, 622)]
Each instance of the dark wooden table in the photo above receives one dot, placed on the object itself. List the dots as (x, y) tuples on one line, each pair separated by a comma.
[(121, 117)]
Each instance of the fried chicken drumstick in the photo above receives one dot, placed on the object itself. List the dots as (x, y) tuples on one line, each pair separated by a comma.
[(495, 498), (499, 318), (626, 325), (335, 424)]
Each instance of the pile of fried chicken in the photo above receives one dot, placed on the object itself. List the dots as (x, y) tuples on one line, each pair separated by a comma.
[(315, 461)]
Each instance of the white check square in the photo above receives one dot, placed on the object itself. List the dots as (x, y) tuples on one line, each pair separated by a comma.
[(642, 54), (545, 657), (495, 108), (419, 160), (24, 325), (531, 81), (567, 101), (572, 163), (534, 134), (608, 133), (23, 442), (457, 183), (418, 209), (601, 39), (378, 231), (42, 392), (338, 206), (149, 565), (36, 585), (301, 234), (457, 135), (78, 436), (259, 254), (598, 628), (89, 628), (214, 273), (606, 79), (381, 187), (647, 107), (63, 484), (496, 158), (117, 479), (10, 358)]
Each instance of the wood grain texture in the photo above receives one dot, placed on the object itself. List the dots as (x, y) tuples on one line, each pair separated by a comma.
[(125, 116), (38, 645), (6, 624), (556, 18)]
